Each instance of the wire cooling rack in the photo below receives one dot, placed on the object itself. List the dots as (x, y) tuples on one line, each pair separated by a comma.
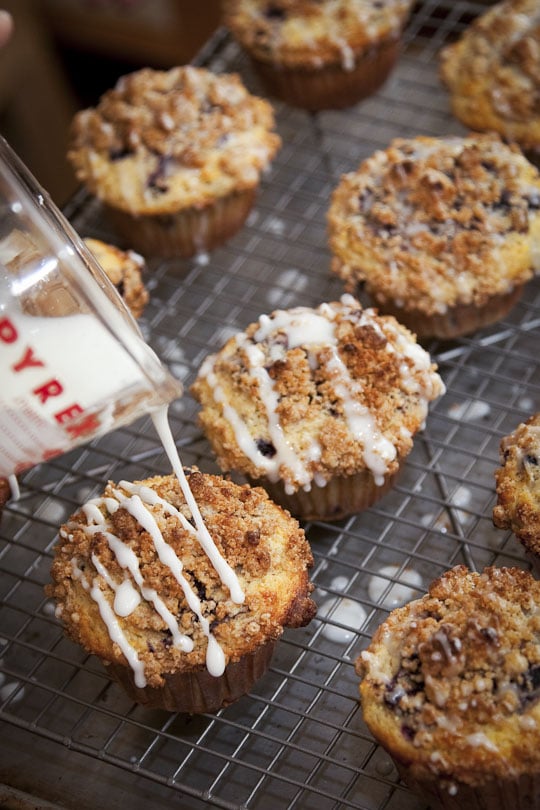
[(69, 735)]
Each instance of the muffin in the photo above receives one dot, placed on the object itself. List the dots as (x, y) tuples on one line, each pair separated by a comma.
[(492, 73), (123, 268), (319, 55), (443, 233), (449, 688), (320, 406), (184, 618), (517, 483), (175, 156)]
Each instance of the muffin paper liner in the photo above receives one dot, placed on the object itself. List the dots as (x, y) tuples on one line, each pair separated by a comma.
[(342, 496), (520, 793), (331, 86), (188, 231), (458, 320), (198, 692)]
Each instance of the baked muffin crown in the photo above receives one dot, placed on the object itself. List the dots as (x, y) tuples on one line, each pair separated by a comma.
[(159, 133), (181, 113), (305, 394), (493, 72), (455, 676), (430, 223), (308, 33), (133, 560)]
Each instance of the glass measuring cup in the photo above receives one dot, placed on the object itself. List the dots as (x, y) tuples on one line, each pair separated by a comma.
[(73, 362)]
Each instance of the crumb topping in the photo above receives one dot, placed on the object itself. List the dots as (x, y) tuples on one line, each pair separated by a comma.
[(164, 140), (123, 268), (310, 33), (133, 582), (493, 71), (429, 223), (306, 394), (518, 484), (458, 673)]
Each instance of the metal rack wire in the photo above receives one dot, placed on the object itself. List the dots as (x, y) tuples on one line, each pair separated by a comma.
[(297, 741)]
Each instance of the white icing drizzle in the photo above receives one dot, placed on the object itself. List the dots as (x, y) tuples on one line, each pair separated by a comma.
[(227, 575), (168, 557), (377, 670), (127, 597), (469, 410), (314, 330), (116, 634), (347, 55), (127, 558), (92, 511), (378, 450), (221, 566), (215, 658), (113, 627), (284, 452), (241, 432)]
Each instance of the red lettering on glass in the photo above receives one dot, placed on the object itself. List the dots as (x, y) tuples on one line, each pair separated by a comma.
[(68, 414), (8, 333), (28, 360), (52, 388)]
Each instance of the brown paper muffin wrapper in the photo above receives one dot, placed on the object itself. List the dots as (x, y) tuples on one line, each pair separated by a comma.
[(330, 86), (520, 793), (457, 321), (342, 496), (198, 692), (188, 231)]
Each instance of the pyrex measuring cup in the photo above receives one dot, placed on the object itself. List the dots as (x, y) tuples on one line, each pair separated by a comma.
[(73, 363)]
